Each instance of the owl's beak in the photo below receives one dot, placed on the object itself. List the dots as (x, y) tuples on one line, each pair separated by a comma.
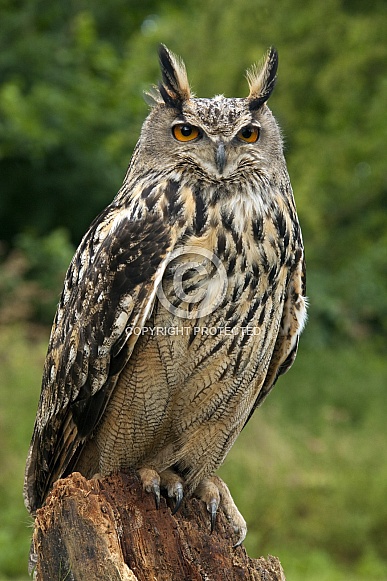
[(220, 157)]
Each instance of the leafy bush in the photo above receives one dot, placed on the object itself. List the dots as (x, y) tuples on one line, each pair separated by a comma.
[(31, 277)]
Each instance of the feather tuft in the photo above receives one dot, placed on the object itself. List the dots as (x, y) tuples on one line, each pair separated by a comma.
[(262, 79), (174, 88)]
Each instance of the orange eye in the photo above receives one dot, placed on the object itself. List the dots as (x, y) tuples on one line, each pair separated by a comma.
[(185, 132), (249, 134)]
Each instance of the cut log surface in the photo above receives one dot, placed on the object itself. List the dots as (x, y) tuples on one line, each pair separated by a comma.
[(110, 530)]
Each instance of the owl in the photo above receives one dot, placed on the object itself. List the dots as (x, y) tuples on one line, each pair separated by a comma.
[(182, 305)]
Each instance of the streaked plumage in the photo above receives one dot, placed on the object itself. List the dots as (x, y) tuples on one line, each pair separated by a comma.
[(171, 404)]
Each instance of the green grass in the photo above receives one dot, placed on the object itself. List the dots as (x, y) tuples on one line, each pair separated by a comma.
[(21, 361), (309, 472)]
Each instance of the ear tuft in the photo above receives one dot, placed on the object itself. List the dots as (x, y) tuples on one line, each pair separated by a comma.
[(262, 80), (174, 88)]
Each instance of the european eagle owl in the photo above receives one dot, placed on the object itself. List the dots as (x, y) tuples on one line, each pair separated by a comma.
[(182, 305)]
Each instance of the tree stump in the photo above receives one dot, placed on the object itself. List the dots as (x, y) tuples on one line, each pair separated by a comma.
[(110, 530)]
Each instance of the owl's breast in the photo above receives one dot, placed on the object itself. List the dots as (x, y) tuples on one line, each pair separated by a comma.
[(233, 252), (207, 346), (225, 290)]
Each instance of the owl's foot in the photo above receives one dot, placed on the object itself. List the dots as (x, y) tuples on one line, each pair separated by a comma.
[(151, 483), (172, 483), (209, 493), (167, 481), (214, 492)]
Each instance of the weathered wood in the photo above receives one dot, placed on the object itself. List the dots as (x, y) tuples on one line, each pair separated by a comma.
[(109, 529)]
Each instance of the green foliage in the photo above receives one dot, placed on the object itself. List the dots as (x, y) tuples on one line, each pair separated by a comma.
[(66, 127), (31, 277)]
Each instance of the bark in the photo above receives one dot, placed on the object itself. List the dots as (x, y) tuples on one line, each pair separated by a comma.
[(109, 529)]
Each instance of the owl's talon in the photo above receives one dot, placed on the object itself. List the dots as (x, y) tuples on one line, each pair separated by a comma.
[(242, 536), (178, 498), (209, 493), (151, 483), (212, 508), (215, 493), (156, 495), (172, 483)]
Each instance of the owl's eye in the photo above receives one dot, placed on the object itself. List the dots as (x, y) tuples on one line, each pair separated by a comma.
[(185, 132), (249, 134)]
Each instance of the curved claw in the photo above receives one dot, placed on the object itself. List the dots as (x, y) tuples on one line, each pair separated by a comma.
[(156, 494), (151, 482), (214, 492), (212, 508), (178, 497), (242, 535)]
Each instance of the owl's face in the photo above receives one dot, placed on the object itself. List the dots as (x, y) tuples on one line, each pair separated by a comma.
[(218, 138)]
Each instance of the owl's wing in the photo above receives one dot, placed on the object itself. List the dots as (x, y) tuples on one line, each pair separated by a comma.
[(292, 323), (109, 289)]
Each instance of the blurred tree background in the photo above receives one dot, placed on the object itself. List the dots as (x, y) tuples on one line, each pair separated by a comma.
[(71, 81)]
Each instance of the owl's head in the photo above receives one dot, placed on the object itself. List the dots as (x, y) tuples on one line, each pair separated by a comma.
[(219, 137)]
